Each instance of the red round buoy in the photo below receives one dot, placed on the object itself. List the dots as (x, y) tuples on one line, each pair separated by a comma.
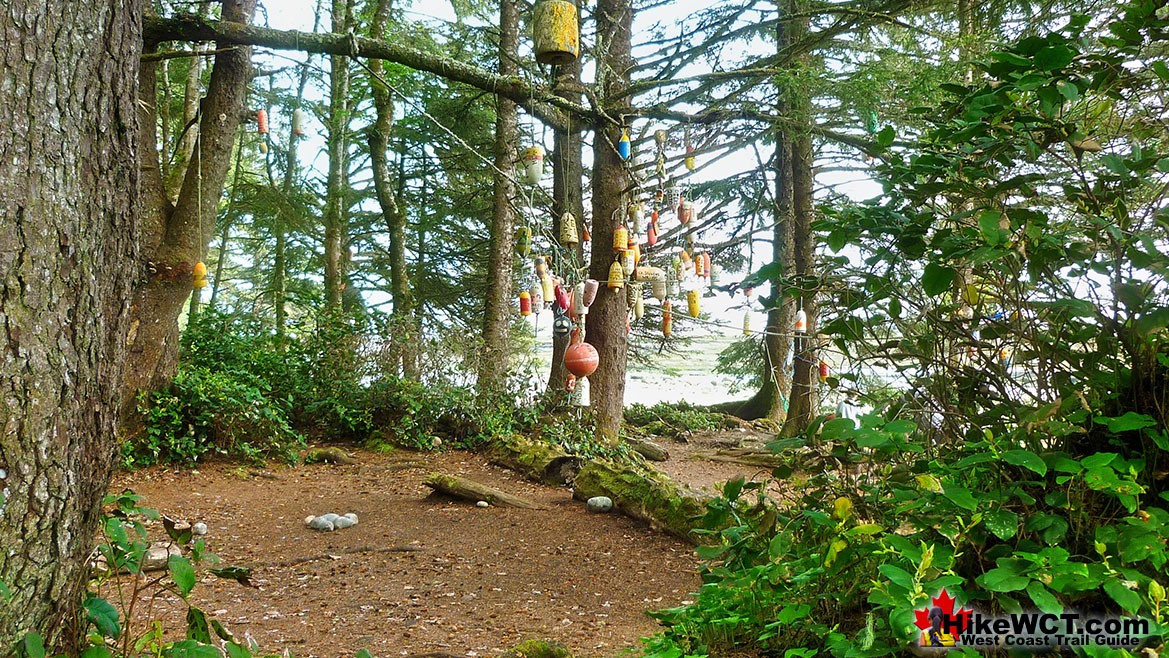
[(581, 359)]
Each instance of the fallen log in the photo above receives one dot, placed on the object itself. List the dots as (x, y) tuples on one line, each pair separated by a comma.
[(648, 449), (535, 460), (473, 491), (644, 494), (760, 459)]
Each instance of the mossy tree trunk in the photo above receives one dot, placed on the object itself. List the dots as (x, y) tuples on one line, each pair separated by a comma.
[(68, 194), (336, 202)]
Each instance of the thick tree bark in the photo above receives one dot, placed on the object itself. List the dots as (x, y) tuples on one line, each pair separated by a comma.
[(379, 145), (606, 319), (336, 207), (567, 195), (497, 305), (68, 190), (174, 238)]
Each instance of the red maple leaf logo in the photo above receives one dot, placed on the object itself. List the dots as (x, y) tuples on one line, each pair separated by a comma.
[(946, 603)]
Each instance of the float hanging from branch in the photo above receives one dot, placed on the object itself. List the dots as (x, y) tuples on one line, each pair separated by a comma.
[(581, 359), (556, 32), (620, 239), (624, 147), (801, 321), (533, 159), (580, 394), (568, 233), (667, 319), (262, 122), (561, 325), (299, 118), (616, 275), (199, 274), (525, 304), (536, 292), (523, 241)]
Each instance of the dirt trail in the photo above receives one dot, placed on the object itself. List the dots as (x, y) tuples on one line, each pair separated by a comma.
[(485, 579)]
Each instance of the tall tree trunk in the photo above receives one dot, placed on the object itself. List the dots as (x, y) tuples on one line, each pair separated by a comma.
[(497, 305), (189, 129), (336, 208), (174, 238), (68, 254), (379, 145), (606, 318), (567, 195), (803, 389), (772, 399)]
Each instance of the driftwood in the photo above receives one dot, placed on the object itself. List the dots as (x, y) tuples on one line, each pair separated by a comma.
[(648, 449), (745, 457), (473, 491), (344, 551)]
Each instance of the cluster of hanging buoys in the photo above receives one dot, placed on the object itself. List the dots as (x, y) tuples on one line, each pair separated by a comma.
[(199, 274), (556, 32)]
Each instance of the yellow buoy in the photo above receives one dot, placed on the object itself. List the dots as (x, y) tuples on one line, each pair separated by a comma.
[(525, 304), (533, 158), (523, 240), (620, 239), (692, 303), (200, 270), (616, 276), (638, 305), (568, 233), (549, 287), (263, 146), (200, 283), (555, 32), (746, 323)]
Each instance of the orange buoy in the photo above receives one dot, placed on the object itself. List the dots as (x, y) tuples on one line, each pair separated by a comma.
[(581, 359), (706, 264), (698, 264), (200, 270), (652, 234), (685, 210), (262, 122), (667, 319), (570, 382), (525, 304)]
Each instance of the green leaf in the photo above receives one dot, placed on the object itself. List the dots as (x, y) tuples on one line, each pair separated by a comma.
[(1161, 69), (733, 487), (1127, 599), (1001, 579), (886, 136), (960, 496), (197, 627), (988, 225), (183, 573), (1003, 523), (937, 279), (1026, 459), (103, 615), (363, 653), (235, 650), (97, 651), (1128, 422), (191, 649), (1043, 599), (1011, 58), (894, 308), (1054, 57), (34, 645), (897, 575), (1069, 90)]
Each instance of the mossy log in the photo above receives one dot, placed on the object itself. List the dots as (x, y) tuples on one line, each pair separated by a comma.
[(535, 460), (328, 456), (648, 449), (537, 649), (458, 487), (644, 494)]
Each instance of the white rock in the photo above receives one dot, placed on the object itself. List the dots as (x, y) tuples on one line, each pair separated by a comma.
[(322, 524), (341, 522), (483, 503), (599, 504), (352, 517), (199, 528), (308, 520)]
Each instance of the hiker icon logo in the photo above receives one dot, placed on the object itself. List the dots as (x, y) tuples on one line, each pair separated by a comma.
[(940, 625)]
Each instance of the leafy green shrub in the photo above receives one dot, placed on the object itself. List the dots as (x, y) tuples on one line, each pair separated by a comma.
[(210, 412), (675, 419)]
